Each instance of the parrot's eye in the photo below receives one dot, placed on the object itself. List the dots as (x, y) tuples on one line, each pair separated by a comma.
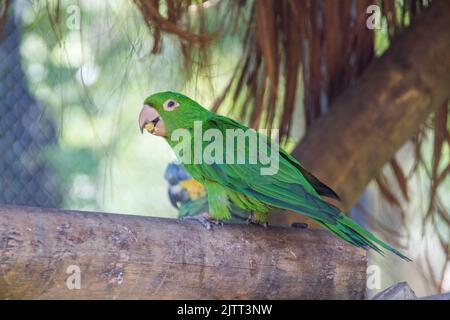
[(170, 105)]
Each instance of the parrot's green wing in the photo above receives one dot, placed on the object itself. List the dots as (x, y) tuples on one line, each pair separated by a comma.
[(289, 188), (287, 161), (320, 187)]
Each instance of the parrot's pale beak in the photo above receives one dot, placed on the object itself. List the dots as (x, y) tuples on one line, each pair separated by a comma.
[(150, 120)]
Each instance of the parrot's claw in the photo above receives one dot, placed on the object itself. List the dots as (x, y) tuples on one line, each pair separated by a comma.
[(204, 219), (299, 225)]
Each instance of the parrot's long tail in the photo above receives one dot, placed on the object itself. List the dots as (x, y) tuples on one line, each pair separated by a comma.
[(353, 233)]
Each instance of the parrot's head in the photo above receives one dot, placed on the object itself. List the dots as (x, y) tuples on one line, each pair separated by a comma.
[(165, 112)]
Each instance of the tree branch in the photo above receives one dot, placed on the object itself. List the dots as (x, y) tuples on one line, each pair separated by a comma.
[(368, 123), (125, 257)]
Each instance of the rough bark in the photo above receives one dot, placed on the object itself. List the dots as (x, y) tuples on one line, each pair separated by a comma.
[(128, 257), (369, 122)]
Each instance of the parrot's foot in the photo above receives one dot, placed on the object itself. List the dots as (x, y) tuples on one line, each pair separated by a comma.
[(204, 219), (252, 220)]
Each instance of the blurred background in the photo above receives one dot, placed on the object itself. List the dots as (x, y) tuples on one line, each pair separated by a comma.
[(73, 75)]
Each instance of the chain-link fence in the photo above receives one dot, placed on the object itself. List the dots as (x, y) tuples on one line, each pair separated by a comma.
[(25, 131)]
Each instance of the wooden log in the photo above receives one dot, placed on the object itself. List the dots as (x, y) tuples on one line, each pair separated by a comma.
[(134, 257)]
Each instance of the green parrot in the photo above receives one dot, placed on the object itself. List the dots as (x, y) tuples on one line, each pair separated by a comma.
[(172, 115)]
